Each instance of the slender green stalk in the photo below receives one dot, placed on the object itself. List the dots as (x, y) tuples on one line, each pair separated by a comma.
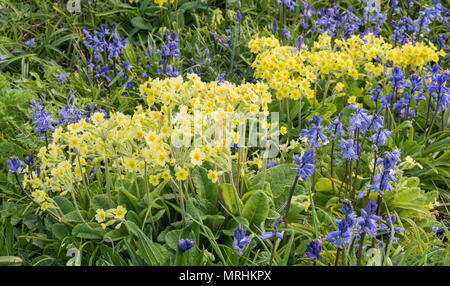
[(288, 206)]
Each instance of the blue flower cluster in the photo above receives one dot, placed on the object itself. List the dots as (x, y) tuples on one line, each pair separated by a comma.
[(290, 4), (240, 239), (305, 165), (14, 165), (313, 249), (168, 51), (274, 233), (345, 227), (381, 182), (186, 244), (314, 135), (334, 21)]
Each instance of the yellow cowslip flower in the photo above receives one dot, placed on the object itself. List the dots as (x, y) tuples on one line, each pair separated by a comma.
[(120, 212), (100, 215), (352, 100), (182, 174), (131, 164), (165, 176), (283, 130), (44, 206), (339, 86), (197, 157), (212, 175), (154, 180)]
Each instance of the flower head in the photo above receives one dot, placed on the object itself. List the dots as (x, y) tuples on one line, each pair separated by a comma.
[(315, 134), (240, 239), (349, 148), (186, 244), (270, 234), (368, 222), (30, 43), (313, 249), (305, 166), (15, 165)]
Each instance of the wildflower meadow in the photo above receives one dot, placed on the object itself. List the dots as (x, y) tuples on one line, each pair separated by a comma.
[(224, 133)]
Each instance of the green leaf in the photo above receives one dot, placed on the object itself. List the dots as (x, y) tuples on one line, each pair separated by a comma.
[(100, 202), (324, 185), (207, 189), (140, 23), (90, 230), (148, 250), (256, 209), (73, 216), (127, 200), (116, 234), (60, 231), (172, 238), (64, 204), (280, 179), (230, 199)]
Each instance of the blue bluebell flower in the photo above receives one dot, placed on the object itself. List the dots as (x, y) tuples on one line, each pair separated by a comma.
[(30, 43), (29, 159), (213, 38), (274, 27), (61, 78), (285, 33), (361, 121), (221, 78), (368, 222), (186, 244), (238, 16), (313, 249), (349, 149), (290, 4), (390, 220), (115, 46), (240, 239), (305, 165), (15, 165), (336, 127), (332, 20), (129, 85), (102, 72), (345, 227), (307, 13), (315, 135), (379, 138), (43, 121), (270, 234)]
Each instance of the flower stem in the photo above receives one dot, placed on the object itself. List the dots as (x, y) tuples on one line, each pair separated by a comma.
[(288, 206)]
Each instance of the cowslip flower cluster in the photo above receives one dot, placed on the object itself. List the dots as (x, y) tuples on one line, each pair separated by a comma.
[(145, 143), (108, 217), (291, 71)]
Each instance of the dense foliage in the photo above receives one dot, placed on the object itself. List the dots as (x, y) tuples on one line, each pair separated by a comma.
[(215, 132)]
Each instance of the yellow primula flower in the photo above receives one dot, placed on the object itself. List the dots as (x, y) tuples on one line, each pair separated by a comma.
[(120, 212)]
